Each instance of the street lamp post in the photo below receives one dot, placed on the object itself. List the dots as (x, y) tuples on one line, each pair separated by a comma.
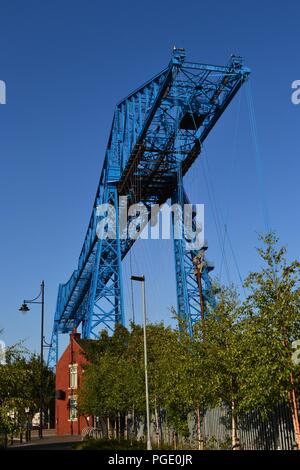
[(24, 309), (142, 280), (28, 428)]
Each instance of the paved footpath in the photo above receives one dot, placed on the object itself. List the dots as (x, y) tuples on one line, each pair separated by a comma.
[(49, 442)]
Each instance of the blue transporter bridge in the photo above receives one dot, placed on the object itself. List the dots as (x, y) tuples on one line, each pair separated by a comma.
[(156, 135)]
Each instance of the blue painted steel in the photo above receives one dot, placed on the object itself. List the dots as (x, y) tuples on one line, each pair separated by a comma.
[(53, 350), (105, 297), (163, 122), (188, 301)]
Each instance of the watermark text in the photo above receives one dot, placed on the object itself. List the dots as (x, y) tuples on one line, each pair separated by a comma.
[(155, 222), (2, 92)]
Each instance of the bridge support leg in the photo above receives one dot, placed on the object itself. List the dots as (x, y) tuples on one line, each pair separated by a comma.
[(53, 350), (105, 302), (183, 305), (188, 301)]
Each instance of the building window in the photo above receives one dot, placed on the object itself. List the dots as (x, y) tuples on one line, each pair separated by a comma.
[(73, 408), (73, 376)]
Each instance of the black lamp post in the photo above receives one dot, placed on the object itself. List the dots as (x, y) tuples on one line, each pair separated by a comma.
[(24, 309)]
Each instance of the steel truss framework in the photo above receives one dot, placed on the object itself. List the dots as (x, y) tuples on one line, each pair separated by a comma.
[(156, 135)]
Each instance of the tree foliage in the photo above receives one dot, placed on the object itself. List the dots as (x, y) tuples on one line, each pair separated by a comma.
[(20, 389), (243, 360)]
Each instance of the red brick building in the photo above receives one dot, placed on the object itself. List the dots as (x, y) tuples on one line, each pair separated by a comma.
[(69, 377)]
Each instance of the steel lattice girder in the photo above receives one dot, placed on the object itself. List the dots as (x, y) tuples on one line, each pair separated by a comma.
[(188, 301), (161, 124)]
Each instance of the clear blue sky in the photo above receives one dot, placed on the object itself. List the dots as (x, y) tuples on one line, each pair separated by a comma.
[(66, 63)]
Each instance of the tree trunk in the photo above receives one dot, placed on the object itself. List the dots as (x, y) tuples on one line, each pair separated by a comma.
[(160, 426), (175, 440), (198, 429), (133, 423), (295, 413), (157, 424), (167, 432), (108, 428), (294, 405), (126, 427), (200, 437), (119, 426), (115, 428), (234, 438)]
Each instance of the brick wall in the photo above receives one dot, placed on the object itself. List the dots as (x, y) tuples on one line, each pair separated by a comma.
[(72, 355)]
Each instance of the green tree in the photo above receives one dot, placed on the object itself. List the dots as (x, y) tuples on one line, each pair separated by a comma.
[(19, 389), (271, 315), (221, 356), (112, 381)]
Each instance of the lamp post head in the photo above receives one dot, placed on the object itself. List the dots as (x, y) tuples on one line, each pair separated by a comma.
[(138, 278), (24, 308)]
